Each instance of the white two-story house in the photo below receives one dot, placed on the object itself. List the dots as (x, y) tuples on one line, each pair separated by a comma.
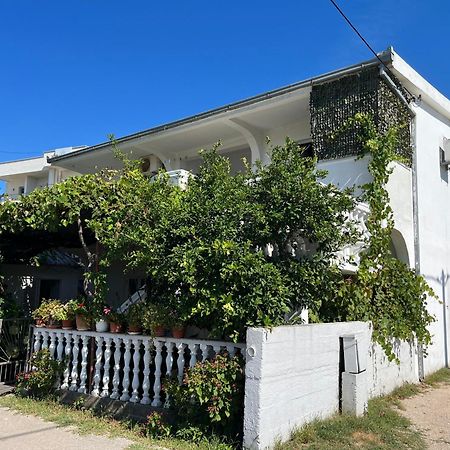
[(307, 112)]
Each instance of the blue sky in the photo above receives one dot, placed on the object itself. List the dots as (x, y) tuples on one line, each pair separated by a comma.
[(74, 71)]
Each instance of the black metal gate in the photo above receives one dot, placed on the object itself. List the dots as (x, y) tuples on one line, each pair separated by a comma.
[(14, 340)]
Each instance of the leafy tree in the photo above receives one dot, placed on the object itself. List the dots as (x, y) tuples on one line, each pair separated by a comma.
[(231, 251)]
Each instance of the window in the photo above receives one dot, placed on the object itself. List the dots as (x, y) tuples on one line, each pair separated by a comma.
[(49, 289)]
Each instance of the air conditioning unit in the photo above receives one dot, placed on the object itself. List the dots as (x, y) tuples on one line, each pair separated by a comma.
[(150, 165), (445, 152), (178, 177)]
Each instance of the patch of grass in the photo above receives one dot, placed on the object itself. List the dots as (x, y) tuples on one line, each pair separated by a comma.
[(441, 376), (86, 422), (382, 428)]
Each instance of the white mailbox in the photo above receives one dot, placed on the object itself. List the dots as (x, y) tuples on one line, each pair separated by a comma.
[(355, 353)]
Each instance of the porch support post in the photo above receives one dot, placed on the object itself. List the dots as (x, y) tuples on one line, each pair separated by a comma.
[(255, 139)]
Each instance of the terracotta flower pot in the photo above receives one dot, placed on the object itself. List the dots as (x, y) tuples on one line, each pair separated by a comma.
[(40, 323), (178, 332), (115, 327), (159, 331), (82, 323), (67, 325), (102, 326), (134, 329), (53, 324)]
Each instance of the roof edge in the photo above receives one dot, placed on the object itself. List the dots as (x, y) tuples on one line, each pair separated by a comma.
[(385, 56)]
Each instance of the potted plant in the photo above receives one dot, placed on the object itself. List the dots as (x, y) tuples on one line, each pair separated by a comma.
[(55, 314), (155, 319), (68, 315), (49, 313), (38, 314), (178, 328), (82, 317), (102, 319), (134, 317), (116, 321)]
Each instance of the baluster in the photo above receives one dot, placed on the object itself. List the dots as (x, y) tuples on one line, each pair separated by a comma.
[(116, 376), (193, 360), (52, 346), (204, 349), (84, 362), (37, 341), (126, 372), (105, 391), (74, 374), (216, 350), (67, 352), (98, 365), (44, 340), (180, 362), (169, 363), (231, 350), (169, 359), (60, 347), (59, 355), (157, 385), (136, 360), (146, 382)]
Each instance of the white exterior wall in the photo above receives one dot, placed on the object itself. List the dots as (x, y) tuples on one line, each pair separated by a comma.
[(400, 192), (13, 185), (434, 226), (292, 376)]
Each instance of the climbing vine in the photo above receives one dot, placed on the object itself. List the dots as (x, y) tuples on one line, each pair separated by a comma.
[(385, 290)]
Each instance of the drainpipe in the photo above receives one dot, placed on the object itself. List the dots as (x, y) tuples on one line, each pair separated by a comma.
[(415, 198)]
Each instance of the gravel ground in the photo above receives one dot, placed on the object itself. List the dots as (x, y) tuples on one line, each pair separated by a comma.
[(429, 411), (18, 432)]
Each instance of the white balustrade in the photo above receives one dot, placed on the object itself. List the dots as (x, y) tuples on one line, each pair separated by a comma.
[(74, 373), (44, 340), (68, 354), (52, 346), (193, 360), (126, 367), (146, 381), (98, 365), (126, 371), (105, 381), (136, 360), (116, 376), (37, 340), (84, 362), (157, 386), (180, 361)]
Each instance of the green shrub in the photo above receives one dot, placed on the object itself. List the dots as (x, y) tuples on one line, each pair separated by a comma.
[(156, 427), (211, 397), (39, 381)]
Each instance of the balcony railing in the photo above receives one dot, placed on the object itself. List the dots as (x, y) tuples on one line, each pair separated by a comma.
[(124, 367)]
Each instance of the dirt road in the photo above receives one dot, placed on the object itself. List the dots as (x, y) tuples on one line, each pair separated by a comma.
[(430, 413)]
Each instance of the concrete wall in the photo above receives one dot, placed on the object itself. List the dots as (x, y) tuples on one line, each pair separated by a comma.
[(383, 376), (293, 376)]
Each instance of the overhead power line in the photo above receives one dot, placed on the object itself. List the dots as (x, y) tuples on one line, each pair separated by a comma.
[(358, 33)]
